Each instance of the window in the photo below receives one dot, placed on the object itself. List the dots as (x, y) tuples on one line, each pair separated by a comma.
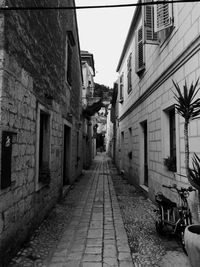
[(121, 92), (169, 139), (150, 36), (43, 148), (130, 137), (70, 42), (140, 63), (69, 64), (172, 133), (129, 70), (130, 143), (164, 20), (77, 149), (163, 16), (6, 158), (122, 151)]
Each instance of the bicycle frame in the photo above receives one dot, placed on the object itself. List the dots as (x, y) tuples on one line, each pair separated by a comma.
[(176, 216)]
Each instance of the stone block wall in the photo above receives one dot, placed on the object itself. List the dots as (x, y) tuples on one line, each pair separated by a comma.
[(32, 58)]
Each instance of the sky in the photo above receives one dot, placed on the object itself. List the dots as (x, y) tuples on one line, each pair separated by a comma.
[(103, 32)]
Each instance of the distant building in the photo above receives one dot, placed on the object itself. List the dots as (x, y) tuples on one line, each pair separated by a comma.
[(88, 71), (112, 124), (162, 45), (90, 105), (40, 108)]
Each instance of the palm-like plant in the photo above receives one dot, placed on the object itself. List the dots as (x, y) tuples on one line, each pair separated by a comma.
[(195, 172), (188, 106)]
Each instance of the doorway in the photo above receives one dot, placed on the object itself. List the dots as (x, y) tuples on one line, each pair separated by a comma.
[(144, 153), (66, 156)]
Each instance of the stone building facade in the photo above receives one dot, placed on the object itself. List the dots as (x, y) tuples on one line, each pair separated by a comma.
[(40, 105), (88, 71), (163, 44)]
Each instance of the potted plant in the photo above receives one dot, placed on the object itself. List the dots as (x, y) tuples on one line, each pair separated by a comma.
[(194, 173), (192, 243), (188, 106), (170, 163)]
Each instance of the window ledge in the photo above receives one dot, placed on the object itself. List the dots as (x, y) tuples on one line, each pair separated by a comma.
[(144, 187), (129, 91), (65, 190), (141, 70), (68, 85), (121, 100), (166, 40), (40, 186)]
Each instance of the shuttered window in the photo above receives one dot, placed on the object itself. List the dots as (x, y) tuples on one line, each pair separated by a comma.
[(140, 64), (121, 92), (163, 16), (69, 65), (129, 71), (70, 43), (150, 36)]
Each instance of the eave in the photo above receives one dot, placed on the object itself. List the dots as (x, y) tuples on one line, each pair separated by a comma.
[(130, 34)]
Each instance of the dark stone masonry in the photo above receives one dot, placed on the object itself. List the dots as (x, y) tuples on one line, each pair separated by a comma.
[(40, 90)]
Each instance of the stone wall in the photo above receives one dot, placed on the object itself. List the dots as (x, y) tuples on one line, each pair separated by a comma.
[(33, 50)]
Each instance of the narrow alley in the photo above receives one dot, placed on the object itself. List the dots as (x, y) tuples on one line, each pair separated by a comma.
[(99, 119), (86, 228)]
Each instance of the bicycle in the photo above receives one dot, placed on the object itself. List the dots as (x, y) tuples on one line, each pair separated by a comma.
[(171, 215)]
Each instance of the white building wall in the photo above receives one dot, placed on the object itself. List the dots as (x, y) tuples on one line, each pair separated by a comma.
[(161, 69)]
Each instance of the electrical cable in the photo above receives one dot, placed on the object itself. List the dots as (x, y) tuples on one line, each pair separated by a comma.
[(6, 8)]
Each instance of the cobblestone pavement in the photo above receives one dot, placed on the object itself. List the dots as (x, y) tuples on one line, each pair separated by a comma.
[(84, 230), (147, 247)]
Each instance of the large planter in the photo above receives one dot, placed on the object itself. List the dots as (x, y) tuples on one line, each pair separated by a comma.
[(192, 244)]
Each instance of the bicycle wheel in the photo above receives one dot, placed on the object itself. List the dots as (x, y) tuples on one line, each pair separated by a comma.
[(159, 223), (181, 231)]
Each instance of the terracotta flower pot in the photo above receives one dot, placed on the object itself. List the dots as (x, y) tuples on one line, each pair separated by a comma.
[(192, 244)]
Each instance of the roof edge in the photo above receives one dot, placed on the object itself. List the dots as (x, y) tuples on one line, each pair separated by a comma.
[(129, 35)]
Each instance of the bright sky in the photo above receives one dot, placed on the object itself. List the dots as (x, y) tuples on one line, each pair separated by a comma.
[(102, 32)]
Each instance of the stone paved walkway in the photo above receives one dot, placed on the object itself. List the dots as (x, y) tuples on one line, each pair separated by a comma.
[(87, 228), (92, 236), (147, 247)]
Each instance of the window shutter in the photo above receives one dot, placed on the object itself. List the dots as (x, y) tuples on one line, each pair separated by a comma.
[(129, 70), (150, 36), (163, 16), (121, 94), (69, 65), (139, 51)]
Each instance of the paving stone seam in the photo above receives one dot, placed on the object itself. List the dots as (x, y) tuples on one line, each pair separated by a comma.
[(91, 183), (116, 209), (109, 195), (95, 181)]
